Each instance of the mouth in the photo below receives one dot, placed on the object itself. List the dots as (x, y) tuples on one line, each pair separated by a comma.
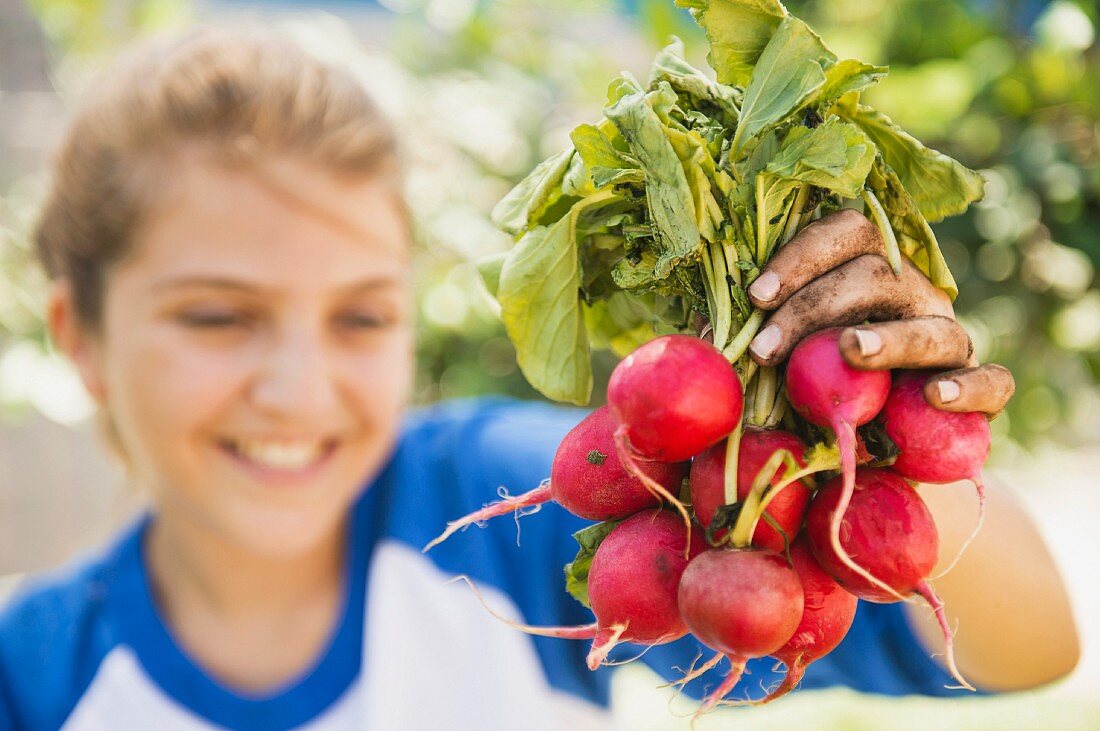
[(276, 464)]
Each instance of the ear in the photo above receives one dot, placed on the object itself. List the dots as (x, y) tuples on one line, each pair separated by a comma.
[(71, 337)]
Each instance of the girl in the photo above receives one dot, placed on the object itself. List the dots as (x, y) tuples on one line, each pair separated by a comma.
[(230, 262)]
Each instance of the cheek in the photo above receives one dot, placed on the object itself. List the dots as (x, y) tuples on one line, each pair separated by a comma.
[(166, 385), (383, 377)]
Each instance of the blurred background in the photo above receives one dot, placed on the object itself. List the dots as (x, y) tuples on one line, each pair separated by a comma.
[(483, 90)]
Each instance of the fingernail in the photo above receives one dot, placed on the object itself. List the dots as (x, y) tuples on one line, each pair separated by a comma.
[(869, 342), (766, 342), (766, 287), (949, 391)]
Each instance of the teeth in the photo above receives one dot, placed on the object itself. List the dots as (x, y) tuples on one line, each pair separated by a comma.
[(279, 455)]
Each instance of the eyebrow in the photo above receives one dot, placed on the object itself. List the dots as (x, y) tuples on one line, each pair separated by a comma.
[(241, 285)]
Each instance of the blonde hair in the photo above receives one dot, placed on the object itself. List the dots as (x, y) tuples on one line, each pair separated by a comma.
[(240, 91)]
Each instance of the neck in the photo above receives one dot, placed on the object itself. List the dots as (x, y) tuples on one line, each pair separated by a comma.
[(196, 568)]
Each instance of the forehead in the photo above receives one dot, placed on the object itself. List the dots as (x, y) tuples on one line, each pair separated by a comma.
[(282, 224)]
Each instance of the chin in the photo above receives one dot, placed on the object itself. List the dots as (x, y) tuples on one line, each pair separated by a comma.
[(287, 532)]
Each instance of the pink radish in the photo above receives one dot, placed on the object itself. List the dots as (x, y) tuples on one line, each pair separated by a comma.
[(587, 478), (757, 445), (632, 586), (935, 446), (828, 392), (826, 617), (674, 397), (743, 603), (633, 580), (889, 530)]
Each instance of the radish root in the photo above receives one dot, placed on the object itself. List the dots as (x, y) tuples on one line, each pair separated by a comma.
[(936, 603), (846, 443), (695, 672), (605, 640), (578, 632), (980, 488), (737, 667), (538, 496), (626, 454)]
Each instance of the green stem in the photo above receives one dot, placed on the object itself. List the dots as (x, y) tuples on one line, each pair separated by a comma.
[(732, 269), (708, 288), (794, 218), (733, 451), (761, 223), (778, 410), (751, 508), (765, 396), (722, 299), (893, 252), (744, 336)]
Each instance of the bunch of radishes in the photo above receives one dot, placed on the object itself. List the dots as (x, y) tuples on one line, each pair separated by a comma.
[(725, 557)]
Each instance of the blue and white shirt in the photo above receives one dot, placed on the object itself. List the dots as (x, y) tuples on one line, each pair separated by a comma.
[(85, 647)]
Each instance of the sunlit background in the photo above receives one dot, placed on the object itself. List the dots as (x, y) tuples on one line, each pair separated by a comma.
[(483, 90)]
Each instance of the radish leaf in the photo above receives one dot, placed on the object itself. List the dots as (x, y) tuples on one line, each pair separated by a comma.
[(939, 185)]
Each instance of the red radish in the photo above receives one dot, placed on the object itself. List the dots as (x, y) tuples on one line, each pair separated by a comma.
[(743, 603), (826, 617), (889, 530), (757, 446), (587, 478), (632, 586), (935, 446), (633, 580), (675, 396), (828, 392)]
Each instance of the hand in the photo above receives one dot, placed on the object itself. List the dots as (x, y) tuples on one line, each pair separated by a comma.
[(834, 273)]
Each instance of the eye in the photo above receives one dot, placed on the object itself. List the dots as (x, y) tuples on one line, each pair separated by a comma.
[(365, 320), (212, 319)]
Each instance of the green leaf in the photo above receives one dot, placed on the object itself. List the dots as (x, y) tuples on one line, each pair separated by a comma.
[(846, 77), (669, 66), (774, 194), (596, 149), (667, 193), (539, 301), (738, 31), (637, 273), (834, 155), (525, 203), (603, 177), (489, 268), (939, 185), (576, 572), (575, 184), (620, 323), (914, 235), (790, 70)]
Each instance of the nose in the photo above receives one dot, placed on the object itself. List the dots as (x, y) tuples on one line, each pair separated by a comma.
[(295, 380)]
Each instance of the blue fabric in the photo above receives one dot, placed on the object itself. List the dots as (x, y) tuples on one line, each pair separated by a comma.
[(451, 459)]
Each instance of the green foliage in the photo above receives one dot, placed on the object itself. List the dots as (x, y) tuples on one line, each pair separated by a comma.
[(576, 571), (1017, 98)]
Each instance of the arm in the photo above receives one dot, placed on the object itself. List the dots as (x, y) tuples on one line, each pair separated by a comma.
[(1015, 626)]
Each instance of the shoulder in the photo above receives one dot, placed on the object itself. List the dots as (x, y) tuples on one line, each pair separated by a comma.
[(492, 423), (54, 631), (453, 457)]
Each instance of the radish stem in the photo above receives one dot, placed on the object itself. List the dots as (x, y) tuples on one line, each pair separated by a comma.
[(893, 252), (733, 450), (740, 342)]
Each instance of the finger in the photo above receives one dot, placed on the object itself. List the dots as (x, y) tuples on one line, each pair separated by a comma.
[(863, 289), (986, 388), (933, 341), (823, 245)]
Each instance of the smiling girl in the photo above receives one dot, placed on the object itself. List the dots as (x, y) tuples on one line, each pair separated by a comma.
[(230, 260)]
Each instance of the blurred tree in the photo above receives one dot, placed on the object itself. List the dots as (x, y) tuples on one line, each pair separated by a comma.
[(485, 89)]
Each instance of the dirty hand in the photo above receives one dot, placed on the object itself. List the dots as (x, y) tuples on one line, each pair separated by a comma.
[(834, 273)]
